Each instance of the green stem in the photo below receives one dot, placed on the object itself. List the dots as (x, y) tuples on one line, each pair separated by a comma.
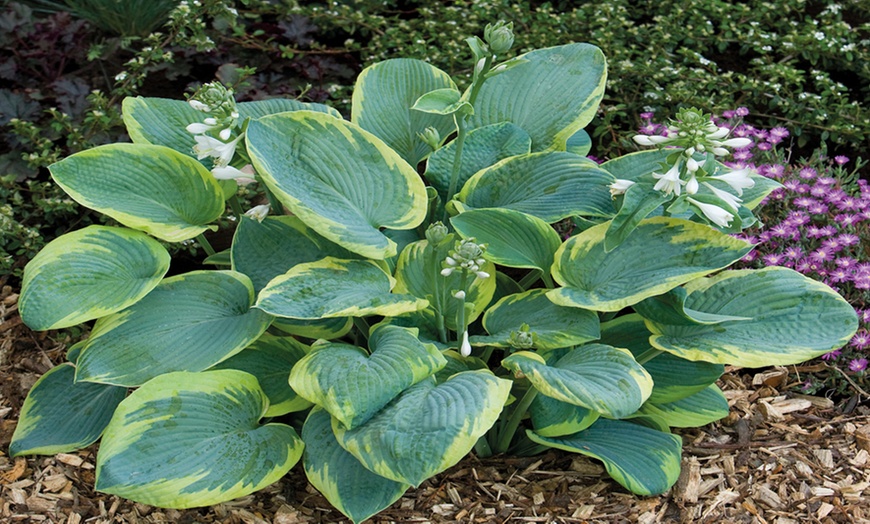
[(487, 352), (548, 280), (442, 328), (236, 206), (507, 434), (481, 448), (206, 245), (529, 280), (362, 326), (648, 355)]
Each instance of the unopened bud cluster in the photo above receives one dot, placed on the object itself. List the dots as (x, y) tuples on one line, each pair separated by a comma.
[(213, 135), (523, 339), (467, 255)]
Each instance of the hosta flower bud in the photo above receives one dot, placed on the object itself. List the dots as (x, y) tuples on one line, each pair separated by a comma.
[(436, 232), (499, 36), (523, 339), (431, 137), (459, 295), (620, 186), (465, 348), (692, 186), (258, 213), (715, 214)]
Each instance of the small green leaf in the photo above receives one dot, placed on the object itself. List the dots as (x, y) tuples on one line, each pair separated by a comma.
[(642, 460), (443, 102), (88, 274), (332, 288), (60, 415), (185, 440), (638, 202)]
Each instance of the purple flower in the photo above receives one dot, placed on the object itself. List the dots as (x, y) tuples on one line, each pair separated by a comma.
[(857, 365), (764, 146), (817, 208), (797, 218), (728, 113), (804, 201), (751, 256), (803, 265), (775, 171), (813, 231), (647, 116), (833, 355), (741, 111), (807, 173), (861, 281), (849, 203), (742, 154), (840, 275), (773, 259), (826, 180), (821, 255), (840, 160), (861, 340), (819, 191), (793, 252), (848, 239), (846, 219), (833, 244), (846, 262), (863, 315), (828, 231), (782, 230), (779, 132)]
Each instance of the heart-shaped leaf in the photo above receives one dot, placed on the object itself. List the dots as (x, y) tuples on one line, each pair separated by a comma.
[(660, 255), (185, 440), (326, 328), (338, 475), (341, 180), (550, 186), (428, 428), (595, 376), (512, 238), (332, 288), (793, 319), (270, 359), (72, 279), (189, 322), (642, 460), (568, 80), (352, 385), (60, 415), (151, 188), (554, 418), (442, 102), (382, 99), (704, 407), (553, 326)]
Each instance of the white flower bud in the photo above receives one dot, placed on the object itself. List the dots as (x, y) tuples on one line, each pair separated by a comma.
[(692, 186), (459, 295), (465, 349), (447, 271), (620, 186), (482, 274), (225, 134)]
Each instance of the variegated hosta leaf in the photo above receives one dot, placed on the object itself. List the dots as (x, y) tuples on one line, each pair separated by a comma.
[(59, 415), (151, 188), (660, 255), (270, 359), (185, 440), (326, 328), (483, 147), (595, 376), (382, 99), (264, 250), (634, 165), (88, 274), (189, 322), (512, 238), (550, 186), (549, 110), (554, 418), (580, 143), (353, 385), (332, 288), (674, 377), (553, 326), (339, 476), (341, 180), (642, 460), (456, 363), (638, 202), (418, 272), (428, 428), (163, 121), (793, 319), (701, 408), (670, 308)]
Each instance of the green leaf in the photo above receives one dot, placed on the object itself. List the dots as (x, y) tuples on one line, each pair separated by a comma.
[(764, 186), (642, 460), (634, 165), (418, 272), (443, 102), (339, 476), (189, 322), (59, 415), (552, 94), (483, 147), (554, 418), (793, 319), (326, 328), (428, 428), (513, 239), (670, 308), (382, 99), (550, 186), (270, 359), (638, 202), (339, 179), (662, 254), (162, 121), (674, 377), (264, 250), (353, 385), (553, 326), (595, 376), (704, 407), (150, 188), (332, 288), (580, 143), (88, 274), (185, 440)]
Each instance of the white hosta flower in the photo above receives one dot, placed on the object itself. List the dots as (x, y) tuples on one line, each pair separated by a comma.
[(465, 348), (199, 106), (738, 179), (229, 173), (258, 213), (692, 186), (669, 182), (198, 128), (715, 214), (651, 140), (222, 152), (729, 199), (620, 186), (225, 134), (720, 132), (737, 143)]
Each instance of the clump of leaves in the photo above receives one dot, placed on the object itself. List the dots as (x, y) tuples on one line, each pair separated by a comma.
[(413, 318)]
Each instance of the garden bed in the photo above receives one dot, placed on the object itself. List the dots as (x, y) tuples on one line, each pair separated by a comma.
[(778, 458)]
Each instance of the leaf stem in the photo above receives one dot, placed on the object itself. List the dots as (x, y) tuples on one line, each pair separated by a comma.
[(236, 206), (362, 326), (548, 280), (206, 245), (648, 355), (507, 434), (529, 280)]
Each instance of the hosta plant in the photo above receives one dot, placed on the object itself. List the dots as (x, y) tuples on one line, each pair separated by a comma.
[(444, 272)]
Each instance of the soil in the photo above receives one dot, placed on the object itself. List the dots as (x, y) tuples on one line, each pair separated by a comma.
[(778, 458)]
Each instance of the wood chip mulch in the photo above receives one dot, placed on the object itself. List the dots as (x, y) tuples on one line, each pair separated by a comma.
[(778, 458)]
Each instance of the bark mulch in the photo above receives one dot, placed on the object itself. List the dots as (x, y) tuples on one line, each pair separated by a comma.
[(778, 458)]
